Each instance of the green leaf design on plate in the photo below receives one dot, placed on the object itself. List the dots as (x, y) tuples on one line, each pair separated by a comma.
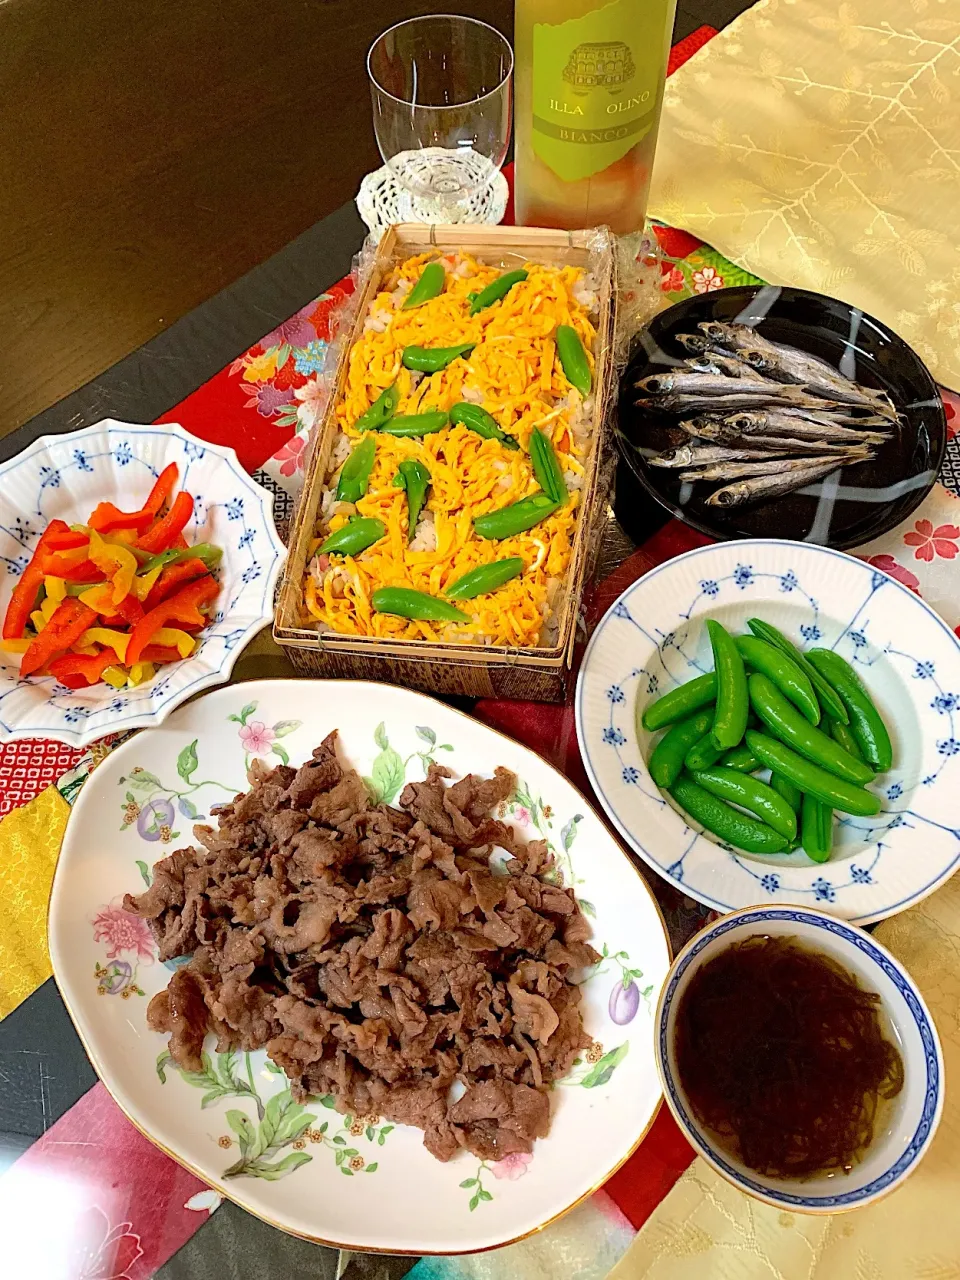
[(605, 1068), (143, 781), (187, 761), (281, 752), (144, 872), (388, 774), (380, 736), (569, 832), (426, 734), (283, 727)]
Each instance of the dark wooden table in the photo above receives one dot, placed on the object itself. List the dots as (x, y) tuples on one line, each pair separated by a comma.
[(153, 154)]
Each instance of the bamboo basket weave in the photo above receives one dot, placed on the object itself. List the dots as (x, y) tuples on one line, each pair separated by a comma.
[(473, 670)]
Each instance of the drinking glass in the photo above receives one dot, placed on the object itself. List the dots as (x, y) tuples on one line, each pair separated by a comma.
[(442, 110)]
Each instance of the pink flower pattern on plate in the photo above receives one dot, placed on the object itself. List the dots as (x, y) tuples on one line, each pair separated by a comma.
[(929, 541), (257, 739), (511, 1167), (122, 932)]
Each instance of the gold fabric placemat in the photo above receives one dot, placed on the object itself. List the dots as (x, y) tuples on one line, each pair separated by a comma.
[(30, 839), (707, 1228), (817, 145)]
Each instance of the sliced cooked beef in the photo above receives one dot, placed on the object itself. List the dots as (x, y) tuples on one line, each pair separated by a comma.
[(376, 952)]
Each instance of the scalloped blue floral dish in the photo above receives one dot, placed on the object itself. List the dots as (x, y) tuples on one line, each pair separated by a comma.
[(905, 1127), (66, 476), (654, 638)]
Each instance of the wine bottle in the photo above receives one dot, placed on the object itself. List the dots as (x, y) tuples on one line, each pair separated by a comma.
[(589, 81)]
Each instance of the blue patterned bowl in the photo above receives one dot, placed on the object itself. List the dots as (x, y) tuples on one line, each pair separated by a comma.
[(66, 476), (654, 638), (906, 1127)]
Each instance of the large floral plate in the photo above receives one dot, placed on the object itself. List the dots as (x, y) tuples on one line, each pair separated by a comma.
[(310, 1170), (654, 638), (66, 476)]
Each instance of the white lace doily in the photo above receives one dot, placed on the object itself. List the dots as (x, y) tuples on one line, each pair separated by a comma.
[(382, 200)]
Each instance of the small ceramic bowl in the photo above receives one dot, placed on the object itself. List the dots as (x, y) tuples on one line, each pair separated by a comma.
[(909, 1123), (67, 476)]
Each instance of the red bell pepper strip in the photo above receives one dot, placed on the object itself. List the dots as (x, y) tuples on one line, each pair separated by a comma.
[(61, 566), (180, 543), (162, 489), (107, 518), (183, 608), (68, 623), (25, 592), (159, 653), (67, 540), (173, 577), (130, 610), (163, 533), (79, 671)]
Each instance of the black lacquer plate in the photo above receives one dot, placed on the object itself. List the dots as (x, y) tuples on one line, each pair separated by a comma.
[(847, 509)]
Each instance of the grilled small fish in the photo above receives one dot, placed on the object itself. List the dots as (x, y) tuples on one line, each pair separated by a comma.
[(763, 488), (705, 428), (787, 364), (717, 362), (685, 381), (740, 470), (692, 455), (738, 395), (694, 342), (846, 415), (772, 421)]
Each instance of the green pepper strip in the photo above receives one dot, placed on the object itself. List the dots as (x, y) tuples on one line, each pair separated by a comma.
[(546, 467), (784, 787), (496, 289), (742, 759), (829, 701), (485, 578), (355, 472), (381, 411), (783, 672), (354, 537), (732, 701), (433, 359), (751, 794), (484, 424), (816, 829), (786, 723), (573, 359), (811, 778), (416, 424), (414, 477), (681, 702), (429, 286), (724, 821), (703, 753), (417, 605), (666, 762), (208, 552), (516, 518), (866, 723)]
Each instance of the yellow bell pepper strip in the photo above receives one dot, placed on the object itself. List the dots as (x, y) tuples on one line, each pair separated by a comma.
[(99, 598), (117, 641), (140, 673), (116, 677), (173, 638), (56, 588), (15, 646), (64, 629), (119, 565), (144, 583)]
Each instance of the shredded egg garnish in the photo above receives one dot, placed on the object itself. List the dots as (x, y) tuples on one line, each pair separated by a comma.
[(514, 373)]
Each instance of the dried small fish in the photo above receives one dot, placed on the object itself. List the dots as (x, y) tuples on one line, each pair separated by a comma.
[(696, 382), (843, 416), (717, 362), (694, 342), (772, 421), (789, 365), (738, 396), (740, 470), (706, 428), (692, 455), (762, 488)]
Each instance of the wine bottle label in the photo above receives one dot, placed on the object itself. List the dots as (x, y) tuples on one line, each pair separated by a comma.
[(596, 81)]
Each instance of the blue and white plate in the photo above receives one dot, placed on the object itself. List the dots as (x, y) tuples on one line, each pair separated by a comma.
[(904, 1128), (66, 476), (654, 638)]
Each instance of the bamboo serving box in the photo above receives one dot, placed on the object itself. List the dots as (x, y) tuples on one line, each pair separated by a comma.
[(539, 674)]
